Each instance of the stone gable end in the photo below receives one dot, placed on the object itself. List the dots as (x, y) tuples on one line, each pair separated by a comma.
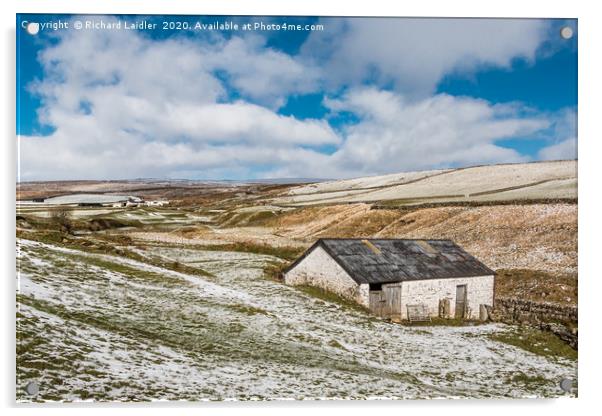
[(320, 270)]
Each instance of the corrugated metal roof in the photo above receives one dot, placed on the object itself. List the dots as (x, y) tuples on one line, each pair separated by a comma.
[(396, 260)]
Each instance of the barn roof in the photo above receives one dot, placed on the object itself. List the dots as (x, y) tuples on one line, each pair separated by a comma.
[(395, 260)]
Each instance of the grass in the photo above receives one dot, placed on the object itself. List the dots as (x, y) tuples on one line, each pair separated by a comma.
[(261, 218), (521, 377), (533, 383), (536, 285), (130, 271), (46, 236), (194, 333), (95, 223), (103, 223), (233, 218), (190, 323), (154, 330), (445, 322), (110, 245), (273, 271), (368, 224), (331, 297), (535, 341), (248, 309), (228, 341), (336, 344), (283, 252)]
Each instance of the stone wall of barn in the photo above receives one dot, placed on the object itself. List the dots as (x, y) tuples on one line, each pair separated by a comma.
[(430, 292), (320, 270)]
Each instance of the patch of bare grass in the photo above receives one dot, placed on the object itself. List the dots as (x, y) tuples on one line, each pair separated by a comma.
[(536, 341), (283, 252), (536, 285)]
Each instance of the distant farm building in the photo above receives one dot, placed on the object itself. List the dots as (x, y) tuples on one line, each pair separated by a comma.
[(92, 200), (394, 277), (156, 203)]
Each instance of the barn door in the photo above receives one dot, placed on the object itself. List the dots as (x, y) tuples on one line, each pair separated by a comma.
[(460, 301), (393, 302), (377, 302)]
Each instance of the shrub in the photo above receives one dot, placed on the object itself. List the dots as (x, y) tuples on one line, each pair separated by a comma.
[(61, 217)]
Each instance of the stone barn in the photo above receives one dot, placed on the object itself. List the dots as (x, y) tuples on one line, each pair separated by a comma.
[(393, 276)]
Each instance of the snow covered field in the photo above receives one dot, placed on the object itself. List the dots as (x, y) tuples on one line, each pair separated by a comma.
[(99, 327), (556, 179)]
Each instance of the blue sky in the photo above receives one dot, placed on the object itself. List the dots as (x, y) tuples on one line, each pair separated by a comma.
[(362, 96)]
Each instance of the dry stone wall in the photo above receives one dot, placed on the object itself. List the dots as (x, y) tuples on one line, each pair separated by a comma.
[(526, 311), (561, 320)]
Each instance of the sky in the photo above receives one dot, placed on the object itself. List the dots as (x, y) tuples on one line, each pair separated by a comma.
[(354, 97)]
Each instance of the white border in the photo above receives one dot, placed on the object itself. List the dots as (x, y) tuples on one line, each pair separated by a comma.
[(589, 188), (433, 8)]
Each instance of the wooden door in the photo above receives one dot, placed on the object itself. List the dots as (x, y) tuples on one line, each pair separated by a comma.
[(393, 302), (460, 301), (377, 302)]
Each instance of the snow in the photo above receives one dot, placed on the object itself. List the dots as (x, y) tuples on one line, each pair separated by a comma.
[(147, 333), (556, 179)]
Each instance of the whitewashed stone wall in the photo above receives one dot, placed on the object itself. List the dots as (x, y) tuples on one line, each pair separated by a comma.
[(364, 295), (479, 291), (320, 270)]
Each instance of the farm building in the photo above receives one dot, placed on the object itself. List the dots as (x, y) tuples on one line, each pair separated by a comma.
[(393, 276), (156, 203), (91, 200)]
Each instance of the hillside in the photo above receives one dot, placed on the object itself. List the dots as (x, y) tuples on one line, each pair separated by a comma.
[(521, 181), (541, 238), (180, 302), (108, 327)]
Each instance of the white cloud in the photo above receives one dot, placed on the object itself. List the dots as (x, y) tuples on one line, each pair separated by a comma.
[(440, 131), (414, 54), (263, 74), (562, 136), (241, 121), (566, 149), (125, 106)]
